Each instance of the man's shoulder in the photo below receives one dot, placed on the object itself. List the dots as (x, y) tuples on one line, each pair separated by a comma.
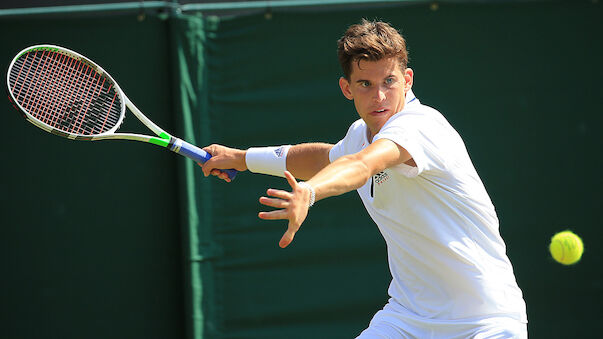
[(356, 128), (418, 109), (415, 114), (353, 141), (358, 124)]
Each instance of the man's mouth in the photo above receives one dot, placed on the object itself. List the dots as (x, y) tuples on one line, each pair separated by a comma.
[(379, 111)]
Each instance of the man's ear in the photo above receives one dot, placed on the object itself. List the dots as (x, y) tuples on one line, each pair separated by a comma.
[(408, 79), (344, 84)]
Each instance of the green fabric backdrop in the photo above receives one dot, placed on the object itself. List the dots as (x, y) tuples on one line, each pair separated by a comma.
[(90, 232)]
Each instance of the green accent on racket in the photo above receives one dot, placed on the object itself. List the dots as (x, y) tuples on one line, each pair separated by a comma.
[(163, 142)]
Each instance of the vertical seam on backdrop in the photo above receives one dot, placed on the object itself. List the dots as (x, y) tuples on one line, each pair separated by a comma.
[(189, 40), (206, 228)]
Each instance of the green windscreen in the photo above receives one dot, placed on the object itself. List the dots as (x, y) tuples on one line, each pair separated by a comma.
[(90, 231)]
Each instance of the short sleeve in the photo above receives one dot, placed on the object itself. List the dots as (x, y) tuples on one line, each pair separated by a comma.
[(337, 151), (405, 132), (354, 141)]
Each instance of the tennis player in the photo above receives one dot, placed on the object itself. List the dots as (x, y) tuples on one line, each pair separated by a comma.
[(451, 277)]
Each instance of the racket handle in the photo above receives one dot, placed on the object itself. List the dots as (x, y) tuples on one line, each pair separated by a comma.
[(196, 154)]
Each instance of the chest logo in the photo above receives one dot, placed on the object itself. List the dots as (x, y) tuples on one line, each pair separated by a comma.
[(380, 177)]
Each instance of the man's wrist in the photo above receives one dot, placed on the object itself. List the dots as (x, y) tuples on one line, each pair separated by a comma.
[(311, 190), (241, 160), (267, 160)]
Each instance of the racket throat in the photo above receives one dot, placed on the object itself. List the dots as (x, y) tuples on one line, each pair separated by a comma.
[(164, 140), (167, 141), (181, 147)]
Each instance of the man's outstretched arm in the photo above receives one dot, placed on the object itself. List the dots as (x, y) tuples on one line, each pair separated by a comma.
[(303, 160), (345, 174)]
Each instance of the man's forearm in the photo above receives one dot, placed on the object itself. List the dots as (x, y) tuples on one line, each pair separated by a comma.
[(352, 171), (305, 160), (344, 175)]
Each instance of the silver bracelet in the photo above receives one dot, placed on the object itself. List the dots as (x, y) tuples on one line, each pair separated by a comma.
[(312, 192)]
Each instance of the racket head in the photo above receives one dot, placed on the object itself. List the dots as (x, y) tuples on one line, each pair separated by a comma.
[(65, 93)]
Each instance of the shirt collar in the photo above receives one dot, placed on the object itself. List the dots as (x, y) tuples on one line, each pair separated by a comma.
[(410, 97)]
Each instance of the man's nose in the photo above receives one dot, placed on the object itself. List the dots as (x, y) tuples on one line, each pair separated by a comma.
[(379, 94)]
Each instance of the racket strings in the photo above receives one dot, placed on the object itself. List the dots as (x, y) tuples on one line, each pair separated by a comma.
[(65, 93)]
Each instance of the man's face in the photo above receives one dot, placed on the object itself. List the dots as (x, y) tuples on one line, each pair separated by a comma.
[(378, 89)]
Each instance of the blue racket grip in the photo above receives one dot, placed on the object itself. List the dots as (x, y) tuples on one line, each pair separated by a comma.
[(195, 153)]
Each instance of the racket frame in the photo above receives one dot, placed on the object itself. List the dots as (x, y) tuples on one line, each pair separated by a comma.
[(124, 102), (162, 138)]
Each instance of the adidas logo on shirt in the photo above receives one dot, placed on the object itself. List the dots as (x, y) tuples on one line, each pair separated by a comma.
[(380, 178)]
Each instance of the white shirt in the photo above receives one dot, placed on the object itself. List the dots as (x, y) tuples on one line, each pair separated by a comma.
[(446, 256)]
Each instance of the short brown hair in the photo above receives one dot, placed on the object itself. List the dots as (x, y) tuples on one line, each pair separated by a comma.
[(370, 41)]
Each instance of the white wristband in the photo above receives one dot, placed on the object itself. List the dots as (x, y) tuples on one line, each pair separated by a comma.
[(267, 160), (312, 192)]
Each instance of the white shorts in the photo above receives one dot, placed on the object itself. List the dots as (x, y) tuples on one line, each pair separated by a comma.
[(390, 323)]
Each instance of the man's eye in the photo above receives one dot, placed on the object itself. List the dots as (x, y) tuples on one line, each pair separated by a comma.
[(389, 81), (365, 84)]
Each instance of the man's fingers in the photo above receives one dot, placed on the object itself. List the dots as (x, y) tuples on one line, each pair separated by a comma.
[(285, 202), (276, 203), (204, 169), (274, 215), (279, 194), (287, 238), (209, 168), (220, 174), (211, 149), (290, 179), (213, 165)]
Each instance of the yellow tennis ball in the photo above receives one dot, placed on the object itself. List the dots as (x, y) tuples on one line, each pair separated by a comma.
[(566, 247)]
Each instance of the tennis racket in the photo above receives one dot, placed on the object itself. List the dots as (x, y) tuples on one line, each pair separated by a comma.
[(67, 94)]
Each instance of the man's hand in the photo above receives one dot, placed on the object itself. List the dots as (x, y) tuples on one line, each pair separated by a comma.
[(223, 157), (293, 206)]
